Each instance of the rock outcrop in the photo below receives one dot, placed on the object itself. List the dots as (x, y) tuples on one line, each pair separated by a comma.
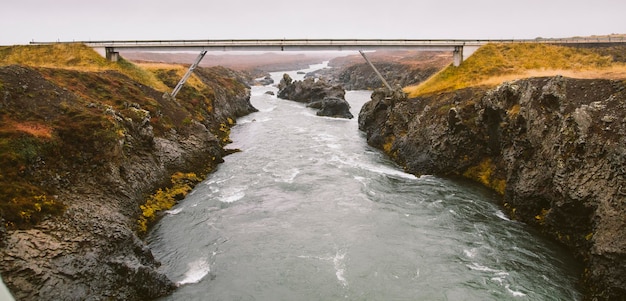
[(105, 161), (362, 76), (332, 107), (318, 94), (555, 148), (265, 81)]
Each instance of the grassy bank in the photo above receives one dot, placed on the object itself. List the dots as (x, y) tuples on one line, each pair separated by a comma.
[(74, 57), (493, 64), (65, 112)]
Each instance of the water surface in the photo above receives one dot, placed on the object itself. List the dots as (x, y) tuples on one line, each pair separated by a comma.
[(308, 211)]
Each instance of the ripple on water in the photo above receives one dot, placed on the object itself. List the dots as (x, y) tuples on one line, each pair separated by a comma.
[(230, 198)]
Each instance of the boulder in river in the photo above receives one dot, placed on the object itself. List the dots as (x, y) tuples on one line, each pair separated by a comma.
[(320, 94), (332, 107), (265, 81)]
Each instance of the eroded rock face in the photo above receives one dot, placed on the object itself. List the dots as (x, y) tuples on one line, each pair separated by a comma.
[(92, 251), (554, 147), (329, 99)]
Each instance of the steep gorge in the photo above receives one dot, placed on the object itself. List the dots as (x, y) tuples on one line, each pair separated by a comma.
[(98, 143)]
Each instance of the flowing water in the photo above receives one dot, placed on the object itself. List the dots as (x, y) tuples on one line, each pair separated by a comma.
[(308, 211)]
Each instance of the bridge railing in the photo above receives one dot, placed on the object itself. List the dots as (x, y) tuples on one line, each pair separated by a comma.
[(243, 43)]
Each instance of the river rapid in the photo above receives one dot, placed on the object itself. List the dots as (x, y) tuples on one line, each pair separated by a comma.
[(308, 211)]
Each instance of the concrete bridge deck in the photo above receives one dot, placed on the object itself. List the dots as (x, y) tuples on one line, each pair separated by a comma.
[(319, 44)]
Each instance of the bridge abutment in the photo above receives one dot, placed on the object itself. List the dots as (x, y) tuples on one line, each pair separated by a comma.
[(111, 54), (457, 56)]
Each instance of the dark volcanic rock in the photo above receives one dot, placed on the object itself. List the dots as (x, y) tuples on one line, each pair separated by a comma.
[(555, 148), (308, 90), (363, 77), (332, 107), (320, 94), (265, 81)]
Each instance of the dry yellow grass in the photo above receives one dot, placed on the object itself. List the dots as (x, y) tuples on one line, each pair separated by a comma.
[(613, 72), (67, 56), (74, 57), (192, 81), (493, 64)]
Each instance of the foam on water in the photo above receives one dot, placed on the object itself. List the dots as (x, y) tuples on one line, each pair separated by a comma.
[(233, 197), (340, 266), (477, 267), (174, 211), (471, 253), (268, 109), (288, 176), (501, 215), (361, 180), (381, 169), (248, 119), (514, 293), (387, 171), (195, 272)]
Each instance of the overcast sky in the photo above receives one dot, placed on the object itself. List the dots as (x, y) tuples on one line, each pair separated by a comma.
[(22, 21)]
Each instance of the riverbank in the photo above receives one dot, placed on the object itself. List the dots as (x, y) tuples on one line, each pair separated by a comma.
[(553, 147), (84, 143)]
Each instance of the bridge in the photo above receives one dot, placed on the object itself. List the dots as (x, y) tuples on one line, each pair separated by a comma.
[(460, 48)]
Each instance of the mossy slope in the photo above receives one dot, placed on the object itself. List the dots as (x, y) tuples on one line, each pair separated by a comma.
[(493, 64), (65, 112)]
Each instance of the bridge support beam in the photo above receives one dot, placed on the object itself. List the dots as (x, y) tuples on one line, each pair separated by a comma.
[(111, 54), (376, 70), (188, 74), (457, 56)]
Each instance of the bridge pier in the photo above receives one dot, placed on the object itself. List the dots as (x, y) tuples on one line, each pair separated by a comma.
[(457, 56), (111, 54)]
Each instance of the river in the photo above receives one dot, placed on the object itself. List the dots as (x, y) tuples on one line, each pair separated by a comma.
[(308, 211)]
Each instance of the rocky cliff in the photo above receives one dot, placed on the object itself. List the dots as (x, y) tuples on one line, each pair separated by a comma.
[(402, 68), (362, 76), (96, 144), (554, 148)]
